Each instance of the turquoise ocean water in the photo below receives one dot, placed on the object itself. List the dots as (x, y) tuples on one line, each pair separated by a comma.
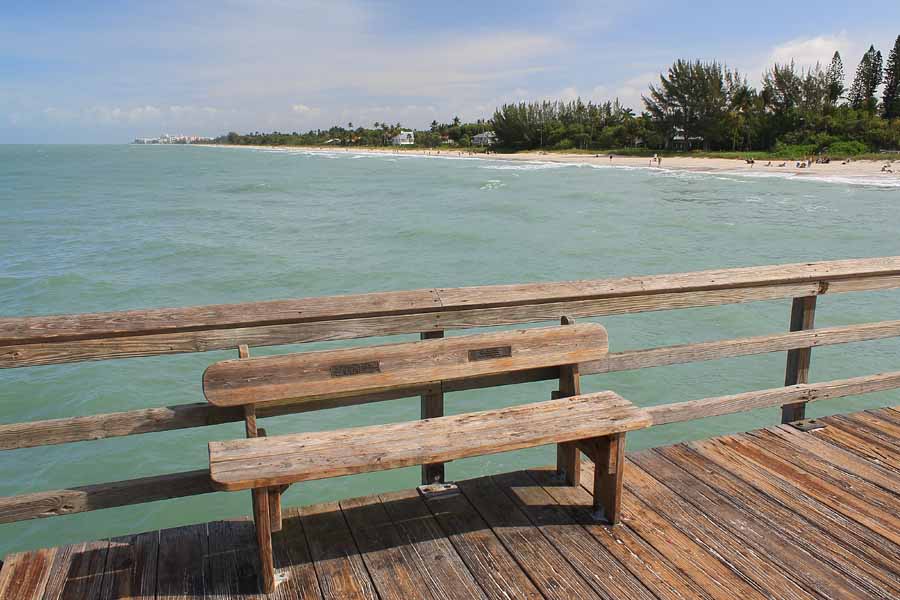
[(98, 228)]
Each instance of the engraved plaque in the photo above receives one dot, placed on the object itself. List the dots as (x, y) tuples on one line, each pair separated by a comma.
[(356, 369), (490, 353)]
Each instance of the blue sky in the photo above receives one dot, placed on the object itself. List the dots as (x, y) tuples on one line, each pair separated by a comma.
[(111, 71)]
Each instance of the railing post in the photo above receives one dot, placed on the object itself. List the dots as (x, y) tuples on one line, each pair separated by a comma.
[(803, 315), (432, 406)]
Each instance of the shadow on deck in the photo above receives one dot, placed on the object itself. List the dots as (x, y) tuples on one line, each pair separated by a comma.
[(775, 513)]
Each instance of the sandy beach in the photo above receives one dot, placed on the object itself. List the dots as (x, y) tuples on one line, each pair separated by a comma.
[(860, 171)]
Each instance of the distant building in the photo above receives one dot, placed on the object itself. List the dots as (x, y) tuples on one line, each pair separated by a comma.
[(174, 139), (488, 138), (682, 143), (404, 138)]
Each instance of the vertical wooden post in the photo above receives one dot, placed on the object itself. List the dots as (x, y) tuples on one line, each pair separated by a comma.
[(432, 406), (609, 463), (568, 463), (803, 316), (260, 498)]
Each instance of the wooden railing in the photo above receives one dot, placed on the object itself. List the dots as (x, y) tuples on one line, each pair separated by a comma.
[(31, 341)]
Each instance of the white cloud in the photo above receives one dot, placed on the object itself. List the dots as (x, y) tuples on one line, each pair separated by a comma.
[(301, 109), (806, 53)]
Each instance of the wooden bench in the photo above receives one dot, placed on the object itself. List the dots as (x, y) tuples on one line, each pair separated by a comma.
[(594, 424)]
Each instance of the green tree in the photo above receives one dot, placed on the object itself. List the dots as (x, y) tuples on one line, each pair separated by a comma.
[(891, 97), (835, 79), (868, 78)]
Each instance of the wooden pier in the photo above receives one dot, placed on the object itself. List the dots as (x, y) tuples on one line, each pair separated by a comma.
[(775, 513), (792, 511)]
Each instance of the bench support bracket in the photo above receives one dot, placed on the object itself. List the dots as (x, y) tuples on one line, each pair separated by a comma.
[(608, 456)]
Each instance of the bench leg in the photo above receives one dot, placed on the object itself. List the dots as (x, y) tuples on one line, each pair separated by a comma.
[(275, 507), (568, 463), (608, 454), (264, 539)]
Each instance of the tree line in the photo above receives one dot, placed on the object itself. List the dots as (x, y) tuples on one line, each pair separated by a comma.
[(695, 105)]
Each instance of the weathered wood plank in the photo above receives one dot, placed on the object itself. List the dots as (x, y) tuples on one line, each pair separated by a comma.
[(443, 572), (180, 565), (865, 449), (600, 569), (77, 571), (262, 462), (104, 495), (553, 575), (293, 562), (396, 572), (723, 405), (24, 575), (232, 565), (492, 565), (835, 496), (431, 406), (867, 569), (341, 373), (131, 567), (801, 564), (647, 565), (879, 550), (340, 569), (650, 494), (32, 341)]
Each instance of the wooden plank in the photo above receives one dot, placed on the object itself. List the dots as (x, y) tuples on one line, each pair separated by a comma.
[(232, 567), (131, 567), (801, 564), (396, 572), (887, 432), (835, 496), (723, 405), (492, 565), (803, 314), (600, 569), (340, 569), (75, 429), (372, 369), (649, 494), (262, 462), (293, 561), (24, 575), (885, 443), (878, 550), (180, 565), (443, 572), (104, 495), (640, 558), (77, 571), (144, 322), (31, 330), (829, 471), (838, 457), (553, 575), (867, 569), (863, 448), (31, 341)]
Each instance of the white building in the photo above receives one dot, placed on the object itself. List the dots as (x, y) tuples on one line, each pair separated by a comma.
[(488, 138), (404, 138)]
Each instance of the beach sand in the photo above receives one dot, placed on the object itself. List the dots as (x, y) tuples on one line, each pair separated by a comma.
[(862, 170)]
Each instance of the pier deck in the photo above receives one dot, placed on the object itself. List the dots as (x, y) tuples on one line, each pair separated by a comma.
[(774, 513)]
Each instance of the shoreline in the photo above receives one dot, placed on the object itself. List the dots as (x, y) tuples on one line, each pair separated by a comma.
[(860, 171)]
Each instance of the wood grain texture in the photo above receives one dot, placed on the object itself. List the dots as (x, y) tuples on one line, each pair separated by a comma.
[(104, 495), (28, 341), (803, 315), (431, 406), (95, 427), (261, 462), (372, 369)]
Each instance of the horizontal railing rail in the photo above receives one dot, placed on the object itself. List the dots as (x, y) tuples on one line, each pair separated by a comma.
[(30, 341), (34, 341)]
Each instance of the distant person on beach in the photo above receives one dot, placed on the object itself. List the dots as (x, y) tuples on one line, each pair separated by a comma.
[(610, 158)]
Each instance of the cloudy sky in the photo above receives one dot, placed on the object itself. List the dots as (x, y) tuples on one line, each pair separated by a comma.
[(107, 72)]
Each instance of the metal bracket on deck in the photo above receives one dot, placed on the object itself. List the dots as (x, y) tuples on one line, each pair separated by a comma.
[(437, 490), (807, 425)]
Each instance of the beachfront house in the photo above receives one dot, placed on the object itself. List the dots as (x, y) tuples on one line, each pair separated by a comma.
[(680, 142), (487, 138), (404, 138)]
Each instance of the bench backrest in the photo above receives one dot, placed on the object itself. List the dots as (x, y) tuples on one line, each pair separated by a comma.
[(349, 372)]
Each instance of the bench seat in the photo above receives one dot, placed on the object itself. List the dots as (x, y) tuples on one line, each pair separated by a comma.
[(271, 461)]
